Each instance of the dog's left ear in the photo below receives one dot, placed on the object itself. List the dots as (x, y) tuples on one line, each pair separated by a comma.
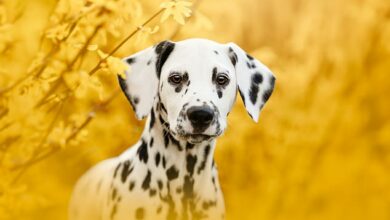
[(255, 81), (143, 75)]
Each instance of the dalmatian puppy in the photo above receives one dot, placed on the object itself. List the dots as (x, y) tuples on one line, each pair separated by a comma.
[(186, 90)]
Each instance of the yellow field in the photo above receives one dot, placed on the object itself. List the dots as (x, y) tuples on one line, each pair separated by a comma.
[(320, 151)]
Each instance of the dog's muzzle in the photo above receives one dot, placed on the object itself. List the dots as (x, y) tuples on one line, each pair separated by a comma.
[(198, 123)]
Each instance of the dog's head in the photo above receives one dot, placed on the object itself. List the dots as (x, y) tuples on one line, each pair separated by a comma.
[(195, 83)]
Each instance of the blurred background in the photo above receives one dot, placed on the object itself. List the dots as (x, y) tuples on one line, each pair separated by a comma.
[(321, 149)]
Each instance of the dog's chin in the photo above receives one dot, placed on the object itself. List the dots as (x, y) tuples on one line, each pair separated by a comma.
[(197, 138)]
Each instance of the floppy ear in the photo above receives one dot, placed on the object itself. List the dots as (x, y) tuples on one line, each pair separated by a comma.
[(255, 81), (142, 76)]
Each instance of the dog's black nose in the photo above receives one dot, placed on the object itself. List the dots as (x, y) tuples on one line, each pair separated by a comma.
[(200, 116)]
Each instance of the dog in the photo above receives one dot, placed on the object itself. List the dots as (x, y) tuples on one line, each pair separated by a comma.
[(186, 89)]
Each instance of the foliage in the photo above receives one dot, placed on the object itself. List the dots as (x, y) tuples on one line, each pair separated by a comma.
[(320, 151)]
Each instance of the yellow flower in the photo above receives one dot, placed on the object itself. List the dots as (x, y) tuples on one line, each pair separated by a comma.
[(60, 134), (144, 34), (113, 64), (81, 83), (178, 9), (58, 32)]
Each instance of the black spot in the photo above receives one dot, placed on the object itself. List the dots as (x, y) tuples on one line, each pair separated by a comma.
[(152, 192), (216, 52), (116, 169), (164, 162), (272, 81), (188, 187), (166, 138), (160, 184), (114, 194), (151, 142), (163, 122), (130, 60), (205, 156), (126, 171), (191, 161), (163, 50), (253, 66), (219, 92), (207, 204), (232, 56), (113, 211), (268, 92), (242, 96), (159, 209), (136, 100), (253, 93), (146, 182), (143, 152), (139, 213), (172, 173), (152, 119), (214, 76), (257, 78), (149, 62), (249, 57), (131, 185), (189, 145), (215, 185), (254, 89), (123, 85), (157, 159), (163, 107)]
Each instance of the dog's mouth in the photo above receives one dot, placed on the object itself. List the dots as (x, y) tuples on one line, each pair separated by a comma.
[(197, 138)]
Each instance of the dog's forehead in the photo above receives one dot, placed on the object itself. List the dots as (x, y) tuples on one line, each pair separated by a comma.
[(196, 55), (198, 45), (195, 52)]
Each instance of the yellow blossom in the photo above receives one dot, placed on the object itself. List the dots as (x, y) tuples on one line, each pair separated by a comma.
[(178, 9), (113, 64), (58, 33), (60, 134)]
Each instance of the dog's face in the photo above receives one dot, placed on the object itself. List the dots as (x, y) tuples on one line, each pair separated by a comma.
[(195, 82), (198, 88)]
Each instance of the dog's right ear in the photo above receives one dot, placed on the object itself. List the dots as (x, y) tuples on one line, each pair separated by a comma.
[(142, 76)]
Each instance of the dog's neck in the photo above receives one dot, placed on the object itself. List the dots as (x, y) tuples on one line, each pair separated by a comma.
[(182, 173), (180, 153)]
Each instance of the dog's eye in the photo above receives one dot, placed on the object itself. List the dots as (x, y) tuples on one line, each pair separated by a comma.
[(222, 80), (175, 79)]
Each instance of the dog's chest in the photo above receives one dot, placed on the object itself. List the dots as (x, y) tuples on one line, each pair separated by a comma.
[(165, 185)]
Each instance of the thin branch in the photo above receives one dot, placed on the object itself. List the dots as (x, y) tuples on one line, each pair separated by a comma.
[(53, 51), (91, 114), (97, 67)]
